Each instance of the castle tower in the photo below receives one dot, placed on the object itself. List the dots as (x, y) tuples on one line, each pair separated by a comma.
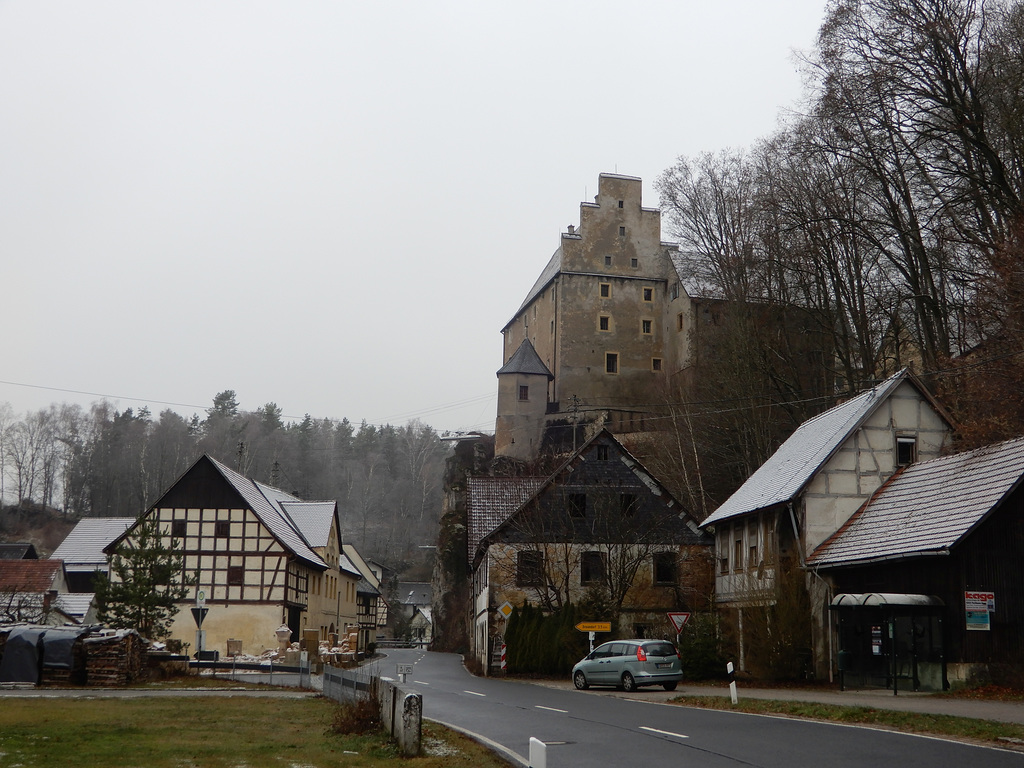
[(522, 403)]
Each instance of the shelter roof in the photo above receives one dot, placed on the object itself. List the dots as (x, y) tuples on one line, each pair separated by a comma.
[(928, 507)]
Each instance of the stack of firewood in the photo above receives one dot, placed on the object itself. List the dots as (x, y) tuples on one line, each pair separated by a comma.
[(114, 659)]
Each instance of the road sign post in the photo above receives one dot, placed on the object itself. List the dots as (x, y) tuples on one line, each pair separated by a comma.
[(592, 628)]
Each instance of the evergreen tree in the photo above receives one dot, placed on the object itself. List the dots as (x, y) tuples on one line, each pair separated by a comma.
[(145, 585)]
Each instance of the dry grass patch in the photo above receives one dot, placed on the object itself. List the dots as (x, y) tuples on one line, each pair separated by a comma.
[(187, 732)]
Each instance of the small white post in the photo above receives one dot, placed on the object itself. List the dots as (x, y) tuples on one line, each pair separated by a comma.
[(732, 682), (538, 753), (592, 636)]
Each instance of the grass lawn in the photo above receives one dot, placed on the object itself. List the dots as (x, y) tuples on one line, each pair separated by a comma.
[(186, 732), (963, 728)]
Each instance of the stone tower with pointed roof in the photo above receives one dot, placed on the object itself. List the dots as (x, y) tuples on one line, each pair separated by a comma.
[(522, 403), (604, 324)]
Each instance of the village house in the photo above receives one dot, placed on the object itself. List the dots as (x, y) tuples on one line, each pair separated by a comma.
[(371, 606), (925, 577), (262, 557), (82, 550), (33, 591), (601, 523), (808, 489)]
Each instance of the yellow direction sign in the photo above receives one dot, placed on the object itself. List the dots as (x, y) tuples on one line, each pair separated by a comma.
[(594, 626)]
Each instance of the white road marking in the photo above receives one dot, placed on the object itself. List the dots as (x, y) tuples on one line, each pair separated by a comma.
[(474, 693), (552, 709), (663, 733), (420, 682)]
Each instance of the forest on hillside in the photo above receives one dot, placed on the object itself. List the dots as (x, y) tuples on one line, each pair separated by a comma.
[(115, 463)]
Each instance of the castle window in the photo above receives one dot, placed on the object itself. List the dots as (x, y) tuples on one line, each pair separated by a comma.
[(577, 503), (607, 261), (628, 503), (621, 203), (524, 392), (646, 327), (679, 322), (592, 568), (648, 294), (906, 451), (664, 567), (606, 290), (622, 231), (634, 263), (529, 568), (604, 322), (675, 290), (236, 575), (611, 362), (655, 363)]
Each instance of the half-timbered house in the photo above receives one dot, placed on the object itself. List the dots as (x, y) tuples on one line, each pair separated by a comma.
[(261, 557)]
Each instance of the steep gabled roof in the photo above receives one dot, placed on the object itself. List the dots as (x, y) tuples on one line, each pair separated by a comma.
[(492, 500), (266, 502), (82, 548), (18, 550), (505, 505), (928, 507), (554, 266), (313, 519), (798, 460), (526, 360)]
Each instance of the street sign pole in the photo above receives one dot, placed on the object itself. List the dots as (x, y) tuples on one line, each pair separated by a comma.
[(592, 636)]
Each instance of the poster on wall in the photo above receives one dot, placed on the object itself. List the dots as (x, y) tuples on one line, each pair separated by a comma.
[(979, 607)]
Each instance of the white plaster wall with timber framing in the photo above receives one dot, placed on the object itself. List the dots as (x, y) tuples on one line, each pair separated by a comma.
[(249, 578), (867, 459)]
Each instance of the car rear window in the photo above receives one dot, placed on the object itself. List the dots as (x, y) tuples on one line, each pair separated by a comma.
[(659, 649)]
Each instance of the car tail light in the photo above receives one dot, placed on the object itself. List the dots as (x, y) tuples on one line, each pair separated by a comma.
[(640, 654)]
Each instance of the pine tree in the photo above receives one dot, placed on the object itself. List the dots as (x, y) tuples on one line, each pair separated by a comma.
[(145, 585)]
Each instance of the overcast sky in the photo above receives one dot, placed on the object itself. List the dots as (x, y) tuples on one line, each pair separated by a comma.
[(335, 206)]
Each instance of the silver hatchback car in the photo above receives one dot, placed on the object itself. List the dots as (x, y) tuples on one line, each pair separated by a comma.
[(629, 664)]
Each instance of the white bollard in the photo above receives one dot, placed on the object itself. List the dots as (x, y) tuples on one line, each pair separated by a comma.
[(732, 682), (538, 753)]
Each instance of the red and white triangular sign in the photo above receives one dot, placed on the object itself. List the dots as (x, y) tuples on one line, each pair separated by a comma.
[(679, 620)]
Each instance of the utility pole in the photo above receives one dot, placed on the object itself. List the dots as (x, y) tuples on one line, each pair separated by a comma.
[(241, 455), (575, 408)]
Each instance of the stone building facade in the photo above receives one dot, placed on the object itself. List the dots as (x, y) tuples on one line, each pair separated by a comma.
[(606, 321)]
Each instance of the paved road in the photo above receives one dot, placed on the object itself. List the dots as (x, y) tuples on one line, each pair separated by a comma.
[(587, 729)]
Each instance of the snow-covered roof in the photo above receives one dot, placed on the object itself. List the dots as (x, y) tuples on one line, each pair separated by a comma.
[(928, 507), (794, 464), (267, 503), (82, 548)]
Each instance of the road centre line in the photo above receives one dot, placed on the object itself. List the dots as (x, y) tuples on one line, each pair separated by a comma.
[(419, 682), (474, 693), (552, 709), (663, 733)]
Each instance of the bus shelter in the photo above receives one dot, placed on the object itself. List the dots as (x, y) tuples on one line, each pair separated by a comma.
[(889, 640)]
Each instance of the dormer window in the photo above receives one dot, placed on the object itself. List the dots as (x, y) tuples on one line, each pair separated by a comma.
[(906, 451)]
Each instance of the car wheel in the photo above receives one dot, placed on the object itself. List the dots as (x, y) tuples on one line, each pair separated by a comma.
[(669, 686), (628, 683), (580, 681)]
